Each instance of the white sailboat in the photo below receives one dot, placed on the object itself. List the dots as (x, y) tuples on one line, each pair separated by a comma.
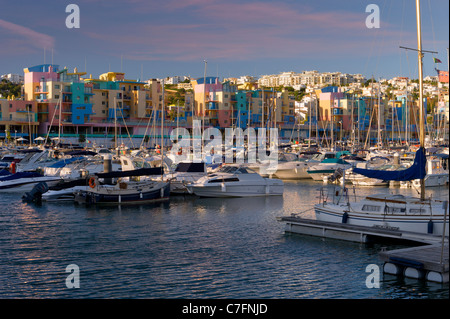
[(419, 215)]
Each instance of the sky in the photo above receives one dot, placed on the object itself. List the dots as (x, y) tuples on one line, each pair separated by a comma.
[(155, 39)]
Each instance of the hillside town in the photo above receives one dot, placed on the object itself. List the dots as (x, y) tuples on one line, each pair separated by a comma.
[(55, 102)]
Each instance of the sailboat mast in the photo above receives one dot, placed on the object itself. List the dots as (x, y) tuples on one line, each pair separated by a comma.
[(421, 110), (115, 126), (309, 120), (162, 129), (59, 123), (380, 141)]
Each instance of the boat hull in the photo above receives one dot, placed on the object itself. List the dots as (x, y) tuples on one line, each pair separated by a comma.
[(26, 185), (295, 171), (113, 196), (417, 224), (63, 194), (237, 190)]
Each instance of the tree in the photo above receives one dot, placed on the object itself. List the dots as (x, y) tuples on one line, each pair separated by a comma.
[(81, 138), (8, 88)]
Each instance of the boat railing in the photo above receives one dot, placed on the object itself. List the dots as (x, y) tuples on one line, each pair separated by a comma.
[(338, 195)]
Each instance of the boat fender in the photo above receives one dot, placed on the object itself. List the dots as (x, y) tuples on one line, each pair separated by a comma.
[(92, 182), (430, 226), (345, 218), (13, 167)]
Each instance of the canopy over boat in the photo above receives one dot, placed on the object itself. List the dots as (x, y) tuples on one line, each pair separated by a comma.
[(136, 172)]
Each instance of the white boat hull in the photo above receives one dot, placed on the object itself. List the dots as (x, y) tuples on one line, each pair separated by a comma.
[(26, 184), (293, 171), (63, 194), (237, 190), (409, 223)]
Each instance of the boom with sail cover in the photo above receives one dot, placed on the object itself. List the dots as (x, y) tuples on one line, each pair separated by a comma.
[(416, 171)]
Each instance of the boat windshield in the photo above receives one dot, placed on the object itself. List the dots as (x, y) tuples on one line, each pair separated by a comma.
[(235, 170)]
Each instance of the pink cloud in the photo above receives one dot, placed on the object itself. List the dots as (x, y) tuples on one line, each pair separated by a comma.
[(36, 39), (230, 30)]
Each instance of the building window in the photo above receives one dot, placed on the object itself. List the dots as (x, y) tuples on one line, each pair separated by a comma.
[(56, 96), (57, 87)]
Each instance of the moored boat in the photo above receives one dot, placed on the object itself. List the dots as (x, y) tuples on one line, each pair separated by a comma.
[(236, 181), (25, 181)]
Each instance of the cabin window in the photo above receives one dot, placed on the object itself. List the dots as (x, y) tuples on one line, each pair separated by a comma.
[(417, 211), (395, 210), (371, 208), (221, 180)]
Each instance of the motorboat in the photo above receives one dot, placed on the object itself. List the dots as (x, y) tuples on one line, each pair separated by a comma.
[(185, 173), (65, 190), (437, 175), (235, 181), (35, 159), (327, 168), (25, 181), (8, 159), (290, 166)]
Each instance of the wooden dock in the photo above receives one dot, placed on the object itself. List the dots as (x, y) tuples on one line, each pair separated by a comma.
[(362, 234), (428, 262), (421, 262)]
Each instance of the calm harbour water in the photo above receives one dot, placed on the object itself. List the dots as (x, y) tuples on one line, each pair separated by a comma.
[(189, 248)]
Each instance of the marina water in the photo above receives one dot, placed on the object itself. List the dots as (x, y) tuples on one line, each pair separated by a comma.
[(190, 247)]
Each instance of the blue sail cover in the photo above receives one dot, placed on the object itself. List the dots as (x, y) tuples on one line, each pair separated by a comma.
[(416, 171)]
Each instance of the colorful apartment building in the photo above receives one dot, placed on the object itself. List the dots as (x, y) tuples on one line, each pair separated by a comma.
[(69, 103)]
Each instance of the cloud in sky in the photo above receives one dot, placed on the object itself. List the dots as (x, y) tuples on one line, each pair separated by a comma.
[(261, 34), (20, 36), (197, 29)]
